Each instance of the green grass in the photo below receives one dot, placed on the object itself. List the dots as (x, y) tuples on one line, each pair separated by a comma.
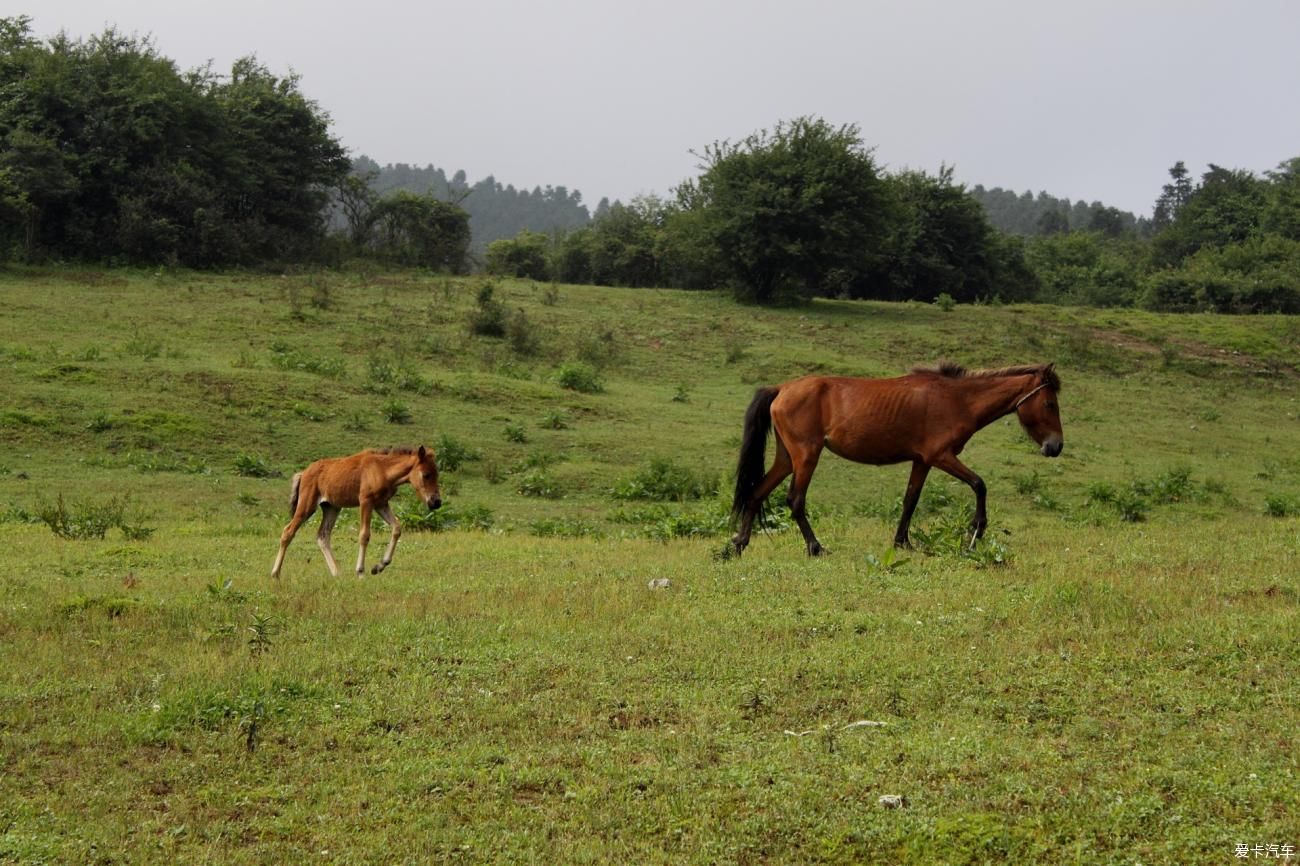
[(1094, 689)]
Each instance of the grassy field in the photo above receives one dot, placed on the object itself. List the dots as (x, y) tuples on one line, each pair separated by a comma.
[(1112, 679)]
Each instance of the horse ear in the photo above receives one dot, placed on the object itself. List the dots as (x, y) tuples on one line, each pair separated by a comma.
[(422, 454)]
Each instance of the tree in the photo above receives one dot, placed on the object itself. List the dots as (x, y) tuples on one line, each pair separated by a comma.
[(521, 256), (356, 198), (788, 209), (1172, 197), (1227, 207), (939, 241), (1282, 214), (111, 153), (1108, 221), (421, 230)]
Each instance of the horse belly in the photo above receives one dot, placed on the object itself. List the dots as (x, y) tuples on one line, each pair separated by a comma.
[(871, 442), (338, 485)]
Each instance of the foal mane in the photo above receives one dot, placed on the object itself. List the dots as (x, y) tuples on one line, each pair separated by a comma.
[(952, 370)]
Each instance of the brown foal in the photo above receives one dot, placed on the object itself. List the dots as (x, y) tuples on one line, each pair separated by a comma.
[(369, 480)]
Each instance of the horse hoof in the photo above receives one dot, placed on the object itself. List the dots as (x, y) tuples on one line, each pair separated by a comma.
[(817, 550)]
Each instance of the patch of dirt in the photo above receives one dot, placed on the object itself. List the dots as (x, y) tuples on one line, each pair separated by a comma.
[(1198, 351)]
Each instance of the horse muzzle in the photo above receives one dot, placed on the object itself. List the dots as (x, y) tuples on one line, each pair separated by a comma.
[(1052, 447), (434, 504)]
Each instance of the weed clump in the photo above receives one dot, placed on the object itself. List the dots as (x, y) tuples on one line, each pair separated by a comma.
[(84, 520), (419, 519), (254, 466), (539, 483), (665, 480)]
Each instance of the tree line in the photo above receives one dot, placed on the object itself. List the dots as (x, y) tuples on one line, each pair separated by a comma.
[(803, 211), (110, 153)]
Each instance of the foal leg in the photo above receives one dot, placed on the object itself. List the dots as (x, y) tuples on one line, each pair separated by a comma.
[(954, 467), (363, 536), (780, 469), (805, 461), (329, 514), (386, 512), (915, 482), (287, 536)]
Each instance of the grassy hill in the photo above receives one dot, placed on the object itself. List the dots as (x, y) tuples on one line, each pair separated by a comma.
[(1111, 680)]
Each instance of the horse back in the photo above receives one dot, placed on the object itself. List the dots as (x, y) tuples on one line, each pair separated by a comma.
[(877, 421)]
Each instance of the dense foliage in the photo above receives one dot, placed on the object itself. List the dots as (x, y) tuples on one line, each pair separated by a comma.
[(110, 153)]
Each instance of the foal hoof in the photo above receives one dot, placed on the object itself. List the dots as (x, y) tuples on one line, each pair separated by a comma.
[(815, 549)]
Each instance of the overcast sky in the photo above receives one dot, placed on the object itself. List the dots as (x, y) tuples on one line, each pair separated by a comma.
[(1086, 100)]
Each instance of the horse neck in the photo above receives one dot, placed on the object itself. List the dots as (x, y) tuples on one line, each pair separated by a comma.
[(997, 396), (398, 470)]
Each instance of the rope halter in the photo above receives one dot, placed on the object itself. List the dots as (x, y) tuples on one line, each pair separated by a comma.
[(1030, 394)]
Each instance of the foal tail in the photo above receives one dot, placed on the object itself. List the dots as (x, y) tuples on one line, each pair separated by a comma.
[(750, 468), (293, 493)]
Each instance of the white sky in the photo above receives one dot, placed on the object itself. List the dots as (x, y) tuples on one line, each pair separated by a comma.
[(1086, 100)]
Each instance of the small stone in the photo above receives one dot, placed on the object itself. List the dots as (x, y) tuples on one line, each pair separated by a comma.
[(660, 583), (892, 801)]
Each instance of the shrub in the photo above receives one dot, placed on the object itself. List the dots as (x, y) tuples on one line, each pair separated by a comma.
[(515, 433), (1281, 506), (488, 318), (396, 412), (521, 334), (945, 302), (254, 466), (384, 376), (286, 358), (578, 377), (452, 453), (665, 480), (555, 420), (538, 482)]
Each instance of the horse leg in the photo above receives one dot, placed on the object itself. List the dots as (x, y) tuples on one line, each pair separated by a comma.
[(287, 535), (329, 514), (920, 470), (780, 469), (954, 467), (804, 461), (363, 536), (386, 512)]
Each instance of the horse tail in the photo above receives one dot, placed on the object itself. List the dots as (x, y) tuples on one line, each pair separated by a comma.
[(750, 468), (294, 488)]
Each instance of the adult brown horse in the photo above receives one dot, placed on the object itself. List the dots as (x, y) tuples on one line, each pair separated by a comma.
[(369, 480), (926, 417)]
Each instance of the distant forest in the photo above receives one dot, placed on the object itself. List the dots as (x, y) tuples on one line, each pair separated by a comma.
[(495, 211), (1027, 214)]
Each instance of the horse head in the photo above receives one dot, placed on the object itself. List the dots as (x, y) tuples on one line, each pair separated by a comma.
[(1040, 414), (424, 478)]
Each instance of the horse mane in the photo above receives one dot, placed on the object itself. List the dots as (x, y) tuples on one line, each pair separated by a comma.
[(401, 449), (953, 370)]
